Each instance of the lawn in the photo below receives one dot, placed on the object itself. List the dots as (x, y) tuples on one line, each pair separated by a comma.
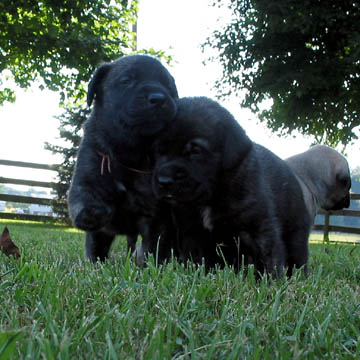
[(56, 305)]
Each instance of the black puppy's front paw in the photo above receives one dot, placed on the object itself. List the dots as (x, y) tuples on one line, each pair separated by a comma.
[(92, 218)]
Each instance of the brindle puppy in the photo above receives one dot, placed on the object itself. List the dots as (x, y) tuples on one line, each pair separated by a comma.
[(228, 193)]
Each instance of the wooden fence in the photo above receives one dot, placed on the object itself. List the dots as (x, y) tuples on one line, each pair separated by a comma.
[(326, 228), (28, 199)]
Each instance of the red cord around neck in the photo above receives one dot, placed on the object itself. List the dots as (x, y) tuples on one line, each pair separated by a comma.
[(106, 158)]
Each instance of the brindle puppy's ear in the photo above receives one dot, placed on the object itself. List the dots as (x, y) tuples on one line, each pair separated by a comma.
[(236, 144), (95, 89)]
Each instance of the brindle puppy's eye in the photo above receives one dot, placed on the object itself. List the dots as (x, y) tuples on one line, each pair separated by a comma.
[(194, 150)]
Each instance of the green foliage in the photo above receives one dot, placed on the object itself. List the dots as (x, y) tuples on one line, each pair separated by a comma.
[(303, 55), (61, 42), (63, 307)]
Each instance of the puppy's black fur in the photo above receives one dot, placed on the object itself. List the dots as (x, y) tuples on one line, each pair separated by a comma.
[(110, 192), (229, 196)]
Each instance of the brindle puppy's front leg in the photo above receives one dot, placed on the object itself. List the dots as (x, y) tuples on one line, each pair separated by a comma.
[(156, 240), (265, 251)]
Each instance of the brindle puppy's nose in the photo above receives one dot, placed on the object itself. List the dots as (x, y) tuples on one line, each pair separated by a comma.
[(156, 98), (165, 181)]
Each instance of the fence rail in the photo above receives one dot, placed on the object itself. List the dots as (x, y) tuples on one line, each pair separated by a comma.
[(28, 199), (29, 165), (44, 184)]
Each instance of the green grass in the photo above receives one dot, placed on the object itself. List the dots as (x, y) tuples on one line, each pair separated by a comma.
[(55, 305)]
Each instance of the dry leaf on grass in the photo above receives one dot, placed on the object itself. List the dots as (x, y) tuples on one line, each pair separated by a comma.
[(7, 246)]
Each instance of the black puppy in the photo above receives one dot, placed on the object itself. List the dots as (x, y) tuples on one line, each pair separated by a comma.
[(110, 192), (229, 196)]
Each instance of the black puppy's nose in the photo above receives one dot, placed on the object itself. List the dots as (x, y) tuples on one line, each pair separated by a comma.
[(156, 98), (165, 181)]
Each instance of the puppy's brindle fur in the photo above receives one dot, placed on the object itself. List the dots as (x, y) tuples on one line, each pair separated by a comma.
[(324, 176), (226, 190), (110, 192)]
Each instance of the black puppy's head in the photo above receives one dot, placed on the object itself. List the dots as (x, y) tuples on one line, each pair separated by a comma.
[(200, 145), (133, 94)]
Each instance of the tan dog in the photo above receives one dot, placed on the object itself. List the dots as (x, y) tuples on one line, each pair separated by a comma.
[(324, 176)]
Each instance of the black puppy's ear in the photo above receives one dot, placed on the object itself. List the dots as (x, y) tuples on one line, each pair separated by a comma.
[(236, 144), (94, 88), (174, 90)]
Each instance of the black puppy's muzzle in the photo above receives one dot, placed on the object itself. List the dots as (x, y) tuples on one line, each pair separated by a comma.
[(150, 109), (155, 95), (156, 99)]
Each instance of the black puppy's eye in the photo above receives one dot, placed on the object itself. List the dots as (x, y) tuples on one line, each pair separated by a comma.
[(125, 81)]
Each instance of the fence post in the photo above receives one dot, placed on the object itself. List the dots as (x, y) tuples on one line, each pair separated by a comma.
[(326, 228)]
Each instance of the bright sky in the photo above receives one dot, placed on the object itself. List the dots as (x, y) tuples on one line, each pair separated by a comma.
[(176, 26)]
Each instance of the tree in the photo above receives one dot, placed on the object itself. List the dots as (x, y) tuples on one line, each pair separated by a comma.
[(71, 122), (61, 42), (303, 55)]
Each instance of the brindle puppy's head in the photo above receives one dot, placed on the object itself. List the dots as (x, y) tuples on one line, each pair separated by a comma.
[(201, 144)]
